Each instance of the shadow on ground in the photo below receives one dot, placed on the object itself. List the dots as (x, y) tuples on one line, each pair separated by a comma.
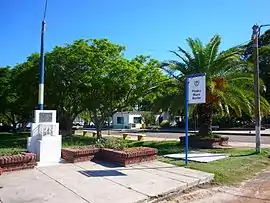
[(102, 173)]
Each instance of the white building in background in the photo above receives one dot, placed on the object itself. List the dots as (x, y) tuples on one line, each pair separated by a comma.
[(127, 120), (134, 119)]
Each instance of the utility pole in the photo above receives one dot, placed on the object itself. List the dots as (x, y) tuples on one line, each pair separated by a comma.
[(42, 66), (255, 37)]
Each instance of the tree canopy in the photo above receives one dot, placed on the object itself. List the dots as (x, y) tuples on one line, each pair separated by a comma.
[(264, 60), (87, 76), (92, 78), (229, 86)]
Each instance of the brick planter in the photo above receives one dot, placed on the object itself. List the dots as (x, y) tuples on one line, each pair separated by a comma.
[(17, 162), (78, 154), (129, 156), (197, 142)]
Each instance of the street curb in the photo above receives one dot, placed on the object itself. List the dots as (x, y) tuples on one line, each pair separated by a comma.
[(239, 134), (216, 132)]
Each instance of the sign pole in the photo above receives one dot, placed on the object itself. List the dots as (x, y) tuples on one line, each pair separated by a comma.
[(186, 122), (195, 94)]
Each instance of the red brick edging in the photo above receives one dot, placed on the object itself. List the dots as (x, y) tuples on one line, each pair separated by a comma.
[(196, 142), (21, 161), (130, 156), (79, 154)]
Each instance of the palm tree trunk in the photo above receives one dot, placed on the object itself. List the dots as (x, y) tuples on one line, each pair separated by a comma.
[(205, 113)]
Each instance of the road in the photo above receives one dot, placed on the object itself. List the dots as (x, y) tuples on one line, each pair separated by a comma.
[(232, 138)]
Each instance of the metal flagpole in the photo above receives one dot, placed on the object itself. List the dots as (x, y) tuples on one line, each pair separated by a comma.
[(41, 80)]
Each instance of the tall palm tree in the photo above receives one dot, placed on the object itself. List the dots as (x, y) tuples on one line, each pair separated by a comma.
[(229, 79)]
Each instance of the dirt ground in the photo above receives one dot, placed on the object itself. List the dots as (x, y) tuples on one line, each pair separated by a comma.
[(256, 190)]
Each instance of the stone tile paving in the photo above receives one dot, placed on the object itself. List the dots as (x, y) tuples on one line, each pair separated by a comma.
[(97, 182)]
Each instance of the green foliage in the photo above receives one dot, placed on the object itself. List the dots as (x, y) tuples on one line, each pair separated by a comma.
[(85, 115), (264, 60), (229, 87), (14, 104), (149, 118), (111, 143), (165, 124), (87, 77), (113, 83)]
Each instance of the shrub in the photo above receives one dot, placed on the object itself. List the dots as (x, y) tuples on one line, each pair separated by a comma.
[(165, 124), (149, 118), (111, 143)]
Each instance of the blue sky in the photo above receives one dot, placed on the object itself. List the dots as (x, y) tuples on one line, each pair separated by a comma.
[(150, 27)]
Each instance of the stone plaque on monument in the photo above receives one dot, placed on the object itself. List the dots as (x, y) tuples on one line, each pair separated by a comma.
[(45, 117)]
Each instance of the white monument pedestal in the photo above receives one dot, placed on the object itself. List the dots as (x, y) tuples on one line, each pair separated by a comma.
[(45, 140)]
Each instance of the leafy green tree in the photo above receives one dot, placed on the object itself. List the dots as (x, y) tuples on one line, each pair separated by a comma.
[(149, 118), (14, 100), (5, 77), (228, 88), (85, 115), (113, 83), (65, 69), (25, 84)]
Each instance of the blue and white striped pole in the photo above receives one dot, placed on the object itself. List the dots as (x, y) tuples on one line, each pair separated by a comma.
[(41, 80)]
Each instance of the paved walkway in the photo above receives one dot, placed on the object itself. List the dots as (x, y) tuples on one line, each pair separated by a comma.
[(97, 183)]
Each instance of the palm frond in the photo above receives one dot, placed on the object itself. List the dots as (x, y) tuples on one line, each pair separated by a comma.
[(229, 78)]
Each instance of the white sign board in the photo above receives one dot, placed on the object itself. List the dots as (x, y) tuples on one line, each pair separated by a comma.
[(196, 89)]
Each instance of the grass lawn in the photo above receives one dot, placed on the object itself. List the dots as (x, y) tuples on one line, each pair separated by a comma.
[(15, 143), (242, 163), (12, 143)]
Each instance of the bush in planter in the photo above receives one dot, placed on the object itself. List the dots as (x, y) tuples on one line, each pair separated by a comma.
[(208, 141), (111, 143), (115, 150)]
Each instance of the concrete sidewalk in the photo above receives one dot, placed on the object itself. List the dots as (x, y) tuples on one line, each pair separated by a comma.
[(97, 183)]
